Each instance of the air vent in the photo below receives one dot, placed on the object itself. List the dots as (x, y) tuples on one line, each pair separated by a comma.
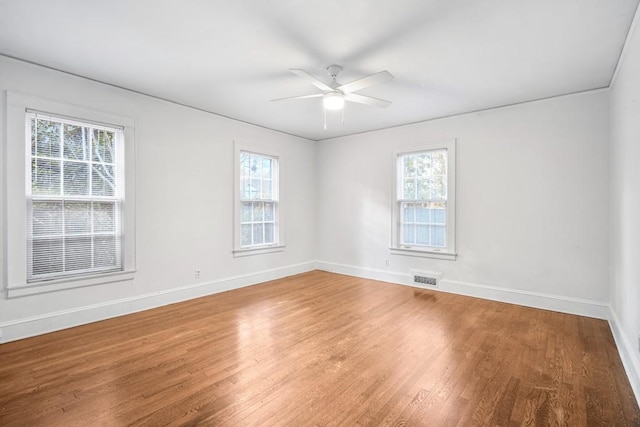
[(424, 278)]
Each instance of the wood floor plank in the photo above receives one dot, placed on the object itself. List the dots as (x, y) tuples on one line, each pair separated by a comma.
[(322, 349)]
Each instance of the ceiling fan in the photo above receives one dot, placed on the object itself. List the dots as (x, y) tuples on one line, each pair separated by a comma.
[(335, 94)]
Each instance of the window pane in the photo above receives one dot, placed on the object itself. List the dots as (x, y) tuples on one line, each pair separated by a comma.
[(245, 215), (34, 136), (245, 235), (422, 235), (46, 256), (45, 177), (104, 217), (103, 142), (245, 189), (76, 142), (266, 189), (258, 212), (76, 179), (422, 215), (255, 189), (245, 165), (105, 252), (409, 189), (408, 213), (409, 166), (266, 168), (257, 234), (408, 234), (438, 213), (423, 163), (46, 218), (437, 236), (269, 213), (439, 188), (77, 251), (424, 187), (439, 162), (47, 138), (268, 233), (256, 167), (77, 217), (103, 180)]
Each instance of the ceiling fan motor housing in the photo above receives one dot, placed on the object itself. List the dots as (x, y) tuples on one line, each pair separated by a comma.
[(334, 70)]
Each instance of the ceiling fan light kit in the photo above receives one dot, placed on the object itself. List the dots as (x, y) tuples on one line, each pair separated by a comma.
[(335, 94), (333, 101)]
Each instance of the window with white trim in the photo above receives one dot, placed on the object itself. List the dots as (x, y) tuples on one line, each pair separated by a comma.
[(69, 217), (424, 205), (74, 197), (258, 208)]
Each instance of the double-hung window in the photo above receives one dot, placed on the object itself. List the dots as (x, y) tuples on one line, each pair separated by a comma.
[(424, 205), (257, 222), (69, 217), (74, 198)]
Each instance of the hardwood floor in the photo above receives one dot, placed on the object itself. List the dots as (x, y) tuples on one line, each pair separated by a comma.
[(321, 349)]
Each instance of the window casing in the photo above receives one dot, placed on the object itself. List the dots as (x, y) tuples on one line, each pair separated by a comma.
[(424, 201), (74, 197), (257, 213), (110, 218)]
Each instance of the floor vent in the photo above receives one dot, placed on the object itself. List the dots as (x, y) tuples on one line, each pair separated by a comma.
[(425, 278)]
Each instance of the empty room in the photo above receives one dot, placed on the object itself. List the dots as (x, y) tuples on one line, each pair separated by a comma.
[(320, 213)]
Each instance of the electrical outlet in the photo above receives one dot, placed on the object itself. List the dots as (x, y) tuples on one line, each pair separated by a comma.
[(386, 262), (197, 274)]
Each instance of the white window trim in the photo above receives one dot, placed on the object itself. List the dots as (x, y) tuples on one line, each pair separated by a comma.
[(279, 245), (16, 176), (448, 253)]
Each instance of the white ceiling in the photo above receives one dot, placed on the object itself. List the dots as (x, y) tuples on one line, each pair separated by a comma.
[(231, 57)]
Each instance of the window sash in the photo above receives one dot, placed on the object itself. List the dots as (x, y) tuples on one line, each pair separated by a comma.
[(422, 229), (259, 226)]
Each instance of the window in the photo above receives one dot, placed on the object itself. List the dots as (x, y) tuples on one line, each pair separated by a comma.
[(69, 205), (258, 203), (74, 198), (424, 206)]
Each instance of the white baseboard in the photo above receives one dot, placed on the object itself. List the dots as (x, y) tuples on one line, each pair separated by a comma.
[(628, 353), (50, 322), (582, 307)]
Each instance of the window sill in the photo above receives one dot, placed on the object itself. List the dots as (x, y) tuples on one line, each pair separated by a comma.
[(424, 253), (257, 251), (15, 291)]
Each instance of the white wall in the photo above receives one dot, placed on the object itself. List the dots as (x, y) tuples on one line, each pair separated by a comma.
[(532, 200), (625, 206), (184, 183)]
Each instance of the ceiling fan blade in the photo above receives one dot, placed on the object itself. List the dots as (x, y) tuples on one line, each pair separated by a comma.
[(308, 77), (315, 95), (373, 79), (367, 100)]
